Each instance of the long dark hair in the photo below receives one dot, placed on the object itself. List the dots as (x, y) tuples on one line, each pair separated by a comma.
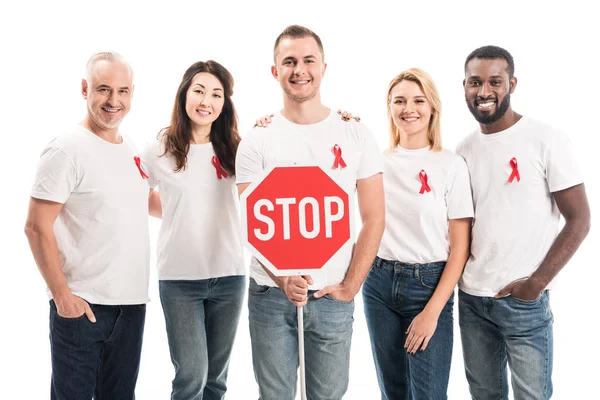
[(224, 135)]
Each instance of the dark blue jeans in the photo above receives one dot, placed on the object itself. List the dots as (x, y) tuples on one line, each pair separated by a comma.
[(99, 360), (394, 293)]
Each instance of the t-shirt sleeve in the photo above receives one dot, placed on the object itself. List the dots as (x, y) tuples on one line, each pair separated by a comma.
[(459, 200), (562, 171), (56, 177), (248, 160), (149, 157), (371, 159)]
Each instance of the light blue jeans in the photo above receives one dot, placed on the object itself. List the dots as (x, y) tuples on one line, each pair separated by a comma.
[(497, 331), (201, 318), (274, 335)]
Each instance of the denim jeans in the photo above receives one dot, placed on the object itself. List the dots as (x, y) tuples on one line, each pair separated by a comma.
[(96, 359), (201, 317), (394, 293), (495, 331), (274, 336)]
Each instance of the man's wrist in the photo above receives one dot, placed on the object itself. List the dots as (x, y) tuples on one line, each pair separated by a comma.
[(280, 281), (351, 286), (59, 294), (538, 283)]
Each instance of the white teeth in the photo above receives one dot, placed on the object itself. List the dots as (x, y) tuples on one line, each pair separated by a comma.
[(300, 82), (110, 110), (410, 119), (203, 112), (486, 105)]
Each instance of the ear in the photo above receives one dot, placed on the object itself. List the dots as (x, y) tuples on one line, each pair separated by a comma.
[(464, 81), (274, 72), (324, 68), (84, 88), (513, 84)]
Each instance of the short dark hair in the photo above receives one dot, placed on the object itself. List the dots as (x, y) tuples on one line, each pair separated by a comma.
[(490, 52), (298, 32)]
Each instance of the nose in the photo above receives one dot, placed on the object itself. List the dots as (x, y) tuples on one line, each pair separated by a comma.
[(112, 98), (484, 90), (299, 69)]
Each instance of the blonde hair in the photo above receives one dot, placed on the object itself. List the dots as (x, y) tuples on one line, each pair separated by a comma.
[(108, 56), (432, 95)]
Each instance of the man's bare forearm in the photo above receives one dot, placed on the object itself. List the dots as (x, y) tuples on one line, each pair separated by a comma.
[(364, 253), (45, 252), (565, 245)]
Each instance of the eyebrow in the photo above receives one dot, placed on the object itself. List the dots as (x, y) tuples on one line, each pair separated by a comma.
[(491, 77), (102, 86), (416, 97), (202, 86), (293, 58)]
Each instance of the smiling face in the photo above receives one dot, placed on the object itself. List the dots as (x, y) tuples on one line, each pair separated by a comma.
[(488, 88), (410, 109), (108, 90), (299, 68), (204, 99)]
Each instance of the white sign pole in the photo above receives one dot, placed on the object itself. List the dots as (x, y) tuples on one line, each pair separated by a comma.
[(301, 352)]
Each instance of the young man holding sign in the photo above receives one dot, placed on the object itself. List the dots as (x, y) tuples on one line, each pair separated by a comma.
[(306, 132)]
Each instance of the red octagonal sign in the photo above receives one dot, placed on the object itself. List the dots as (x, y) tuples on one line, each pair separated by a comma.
[(295, 219)]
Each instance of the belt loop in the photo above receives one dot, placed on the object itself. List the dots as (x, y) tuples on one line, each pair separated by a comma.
[(417, 274)]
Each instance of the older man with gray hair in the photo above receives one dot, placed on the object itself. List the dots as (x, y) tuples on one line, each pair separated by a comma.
[(88, 231)]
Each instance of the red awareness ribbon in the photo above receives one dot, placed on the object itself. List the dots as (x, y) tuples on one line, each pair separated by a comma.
[(339, 161), (424, 186), (139, 165), (220, 171), (515, 171)]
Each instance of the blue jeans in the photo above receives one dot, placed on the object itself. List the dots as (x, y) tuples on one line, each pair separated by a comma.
[(274, 336), (394, 293), (201, 318), (96, 359), (495, 331)]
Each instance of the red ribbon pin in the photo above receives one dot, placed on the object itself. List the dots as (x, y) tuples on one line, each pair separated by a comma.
[(221, 173), (339, 161), (424, 186), (515, 171), (138, 162)]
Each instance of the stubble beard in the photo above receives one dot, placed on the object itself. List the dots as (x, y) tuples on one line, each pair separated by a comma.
[(298, 99)]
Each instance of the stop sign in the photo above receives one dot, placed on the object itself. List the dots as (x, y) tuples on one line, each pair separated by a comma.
[(295, 219)]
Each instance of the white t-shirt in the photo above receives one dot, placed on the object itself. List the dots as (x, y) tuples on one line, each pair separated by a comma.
[(515, 223), (102, 228), (286, 143), (200, 236), (416, 220)]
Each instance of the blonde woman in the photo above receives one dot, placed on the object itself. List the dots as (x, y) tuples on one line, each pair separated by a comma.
[(409, 292)]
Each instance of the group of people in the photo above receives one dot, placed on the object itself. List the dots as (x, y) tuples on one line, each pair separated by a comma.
[(426, 212)]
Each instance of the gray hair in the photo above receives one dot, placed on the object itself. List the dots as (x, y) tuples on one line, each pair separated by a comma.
[(105, 55)]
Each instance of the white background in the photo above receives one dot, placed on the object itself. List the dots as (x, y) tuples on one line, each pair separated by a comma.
[(44, 48)]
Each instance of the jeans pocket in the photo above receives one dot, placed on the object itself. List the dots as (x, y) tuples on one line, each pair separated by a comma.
[(257, 290), (60, 317), (329, 297), (430, 280), (526, 302)]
